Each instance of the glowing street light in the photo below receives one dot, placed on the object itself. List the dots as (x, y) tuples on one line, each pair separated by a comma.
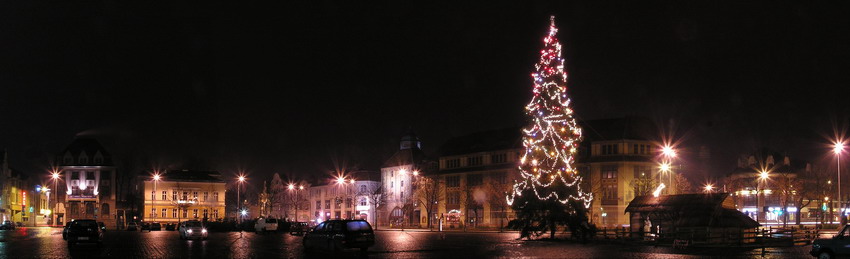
[(668, 151), (709, 188), (340, 180), (665, 167), (55, 176), (301, 187), (415, 173), (156, 178), (291, 186), (838, 148), (241, 180), (763, 175)]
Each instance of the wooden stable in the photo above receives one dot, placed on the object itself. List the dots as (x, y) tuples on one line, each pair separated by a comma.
[(698, 218)]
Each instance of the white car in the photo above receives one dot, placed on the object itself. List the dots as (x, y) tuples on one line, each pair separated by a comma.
[(192, 229), (265, 224)]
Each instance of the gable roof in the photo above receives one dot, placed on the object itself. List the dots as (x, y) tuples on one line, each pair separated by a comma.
[(192, 176), (482, 141), (694, 210), (406, 157), (90, 147)]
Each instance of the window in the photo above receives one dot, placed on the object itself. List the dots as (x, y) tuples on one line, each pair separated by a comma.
[(164, 195), (500, 178), (185, 213), (153, 196), (327, 204), (90, 175), (174, 213), (98, 160), (318, 205), (174, 196), (474, 180), (104, 209), (348, 202), (205, 213), (642, 172), (452, 163), (215, 196), (83, 160), (195, 195), (401, 196), (402, 184), (363, 202), (609, 172), (185, 195), (453, 198), (498, 158), (609, 149), (475, 160), (392, 184), (609, 194), (363, 189), (215, 213), (153, 212), (164, 213), (453, 181)]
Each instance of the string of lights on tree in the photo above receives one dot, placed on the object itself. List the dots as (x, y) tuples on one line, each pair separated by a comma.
[(551, 140)]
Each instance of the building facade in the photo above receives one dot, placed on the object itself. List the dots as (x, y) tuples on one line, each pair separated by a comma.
[(619, 160), (770, 187), (400, 207), (346, 200), (475, 174), (88, 177), (181, 195)]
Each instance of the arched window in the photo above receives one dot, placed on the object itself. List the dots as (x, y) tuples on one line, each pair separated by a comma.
[(104, 208), (363, 189)]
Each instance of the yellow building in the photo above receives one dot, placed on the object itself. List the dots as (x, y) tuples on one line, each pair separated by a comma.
[(184, 195)]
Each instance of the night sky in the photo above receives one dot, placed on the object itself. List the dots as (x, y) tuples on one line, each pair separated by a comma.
[(294, 87)]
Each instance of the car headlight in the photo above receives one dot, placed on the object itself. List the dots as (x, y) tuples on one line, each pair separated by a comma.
[(816, 246), (189, 231), (204, 230)]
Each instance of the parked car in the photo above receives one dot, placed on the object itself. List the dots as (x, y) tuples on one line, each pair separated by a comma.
[(145, 226), (132, 226), (84, 230), (65, 230), (155, 226), (265, 224), (192, 229), (7, 225), (298, 228), (170, 226), (836, 247), (101, 225), (336, 235)]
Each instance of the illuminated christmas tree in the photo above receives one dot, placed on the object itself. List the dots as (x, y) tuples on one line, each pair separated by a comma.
[(551, 139)]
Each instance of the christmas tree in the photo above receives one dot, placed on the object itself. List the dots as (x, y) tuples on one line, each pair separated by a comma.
[(551, 139)]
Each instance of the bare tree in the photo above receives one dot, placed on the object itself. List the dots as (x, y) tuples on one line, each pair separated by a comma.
[(428, 193), (497, 189), (683, 185), (644, 185), (275, 197), (376, 197), (472, 200)]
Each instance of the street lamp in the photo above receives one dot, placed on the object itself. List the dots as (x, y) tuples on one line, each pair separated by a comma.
[(55, 177), (837, 148), (763, 176), (238, 199), (156, 178), (709, 188), (668, 152)]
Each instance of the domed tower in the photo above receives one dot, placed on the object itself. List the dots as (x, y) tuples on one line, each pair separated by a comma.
[(410, 140)]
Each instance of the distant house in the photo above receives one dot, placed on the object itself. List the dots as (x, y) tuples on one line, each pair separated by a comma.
[(700, 218)]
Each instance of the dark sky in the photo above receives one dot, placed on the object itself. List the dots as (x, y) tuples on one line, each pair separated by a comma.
[(292, 87)]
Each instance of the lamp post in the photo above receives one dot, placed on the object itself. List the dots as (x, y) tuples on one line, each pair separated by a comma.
[(837, 149), (55, 177), (763, 176), (669, 153), (239, 200), (156, 178)]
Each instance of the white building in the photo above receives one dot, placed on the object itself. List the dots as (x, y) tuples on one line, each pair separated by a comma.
[(346, 200)]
